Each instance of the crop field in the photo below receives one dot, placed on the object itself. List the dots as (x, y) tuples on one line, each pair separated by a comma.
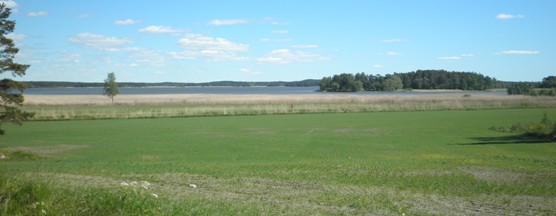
[(371, 163)]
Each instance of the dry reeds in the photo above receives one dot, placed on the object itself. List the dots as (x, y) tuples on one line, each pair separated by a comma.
[(52, 107)]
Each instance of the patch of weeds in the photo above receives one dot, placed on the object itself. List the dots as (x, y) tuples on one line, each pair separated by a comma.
[(126, 200), (25, 197), (17, 155), (22, 198)]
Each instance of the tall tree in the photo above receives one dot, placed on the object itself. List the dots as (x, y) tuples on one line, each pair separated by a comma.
[(392, 83), (548, 82), (110, 86), (11, 97)]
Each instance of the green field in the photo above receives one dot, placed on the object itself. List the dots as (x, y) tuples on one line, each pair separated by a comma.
[(393, 163)]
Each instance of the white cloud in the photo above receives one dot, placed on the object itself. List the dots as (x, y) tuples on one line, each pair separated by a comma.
[(160, 30), (285, 56), (460, 57), (187, 55), (273, 21), (227, 22), (518, 52), (249, 71), (84, 16), (395, 40), (503, 16), (200, 42), (9, 3), (101, 42), (378, 66), (272, 60), (128, 65), (146, 57), (306, 46), (14, 36), (210, 54), (450, 58), (68, 57), (197, 45), (280, 32), (391, 53), (279, 23), (38, 13), (125, 22), (276, 40)]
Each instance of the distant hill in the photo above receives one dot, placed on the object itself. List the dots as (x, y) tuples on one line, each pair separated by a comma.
[(55, 84)]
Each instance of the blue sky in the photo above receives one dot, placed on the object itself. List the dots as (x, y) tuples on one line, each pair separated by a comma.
[(205, 40)]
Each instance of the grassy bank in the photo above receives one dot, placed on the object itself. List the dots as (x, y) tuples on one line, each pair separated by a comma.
[(148, 106), (424, 163)]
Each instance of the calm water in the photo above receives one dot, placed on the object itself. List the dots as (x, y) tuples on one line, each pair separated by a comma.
[(226, 90)]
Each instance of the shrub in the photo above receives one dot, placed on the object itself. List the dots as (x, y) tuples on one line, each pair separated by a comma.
[(545, 129)]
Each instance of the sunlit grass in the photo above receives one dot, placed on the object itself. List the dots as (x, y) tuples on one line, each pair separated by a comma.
[(427, 162)]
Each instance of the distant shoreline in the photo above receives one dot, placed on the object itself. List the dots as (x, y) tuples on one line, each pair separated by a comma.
[(227, 90), (63, 84)]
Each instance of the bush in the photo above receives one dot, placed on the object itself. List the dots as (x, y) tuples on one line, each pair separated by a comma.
[(519, 88), (542, 92), (545, 129)]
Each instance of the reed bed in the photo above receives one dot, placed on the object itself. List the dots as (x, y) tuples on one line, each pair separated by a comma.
[(63, 107), (38, 100)]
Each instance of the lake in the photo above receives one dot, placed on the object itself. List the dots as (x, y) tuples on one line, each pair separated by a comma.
[(231, 90)]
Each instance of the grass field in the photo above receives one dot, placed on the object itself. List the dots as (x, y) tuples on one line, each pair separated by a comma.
[(378, 163)]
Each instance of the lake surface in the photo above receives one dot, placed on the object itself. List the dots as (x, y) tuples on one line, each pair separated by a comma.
[(228, 90)]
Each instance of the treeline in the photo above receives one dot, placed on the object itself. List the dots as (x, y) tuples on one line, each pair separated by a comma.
[(421, 79), (547, 87), (48, 84)]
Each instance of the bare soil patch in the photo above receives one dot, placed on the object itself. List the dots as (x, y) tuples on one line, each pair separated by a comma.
[(503, 176), (45, 151)]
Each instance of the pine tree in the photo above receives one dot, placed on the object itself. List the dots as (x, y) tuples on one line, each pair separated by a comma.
[(11, 97)]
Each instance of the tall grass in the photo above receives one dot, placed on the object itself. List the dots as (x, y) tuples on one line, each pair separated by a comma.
[(48, 107), (25, 196), (214, 99)]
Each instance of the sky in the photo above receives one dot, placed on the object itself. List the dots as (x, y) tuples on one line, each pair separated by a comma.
[(286, 40)]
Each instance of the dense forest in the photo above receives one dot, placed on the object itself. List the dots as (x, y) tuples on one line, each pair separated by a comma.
[(421, 79), (302, 83)]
